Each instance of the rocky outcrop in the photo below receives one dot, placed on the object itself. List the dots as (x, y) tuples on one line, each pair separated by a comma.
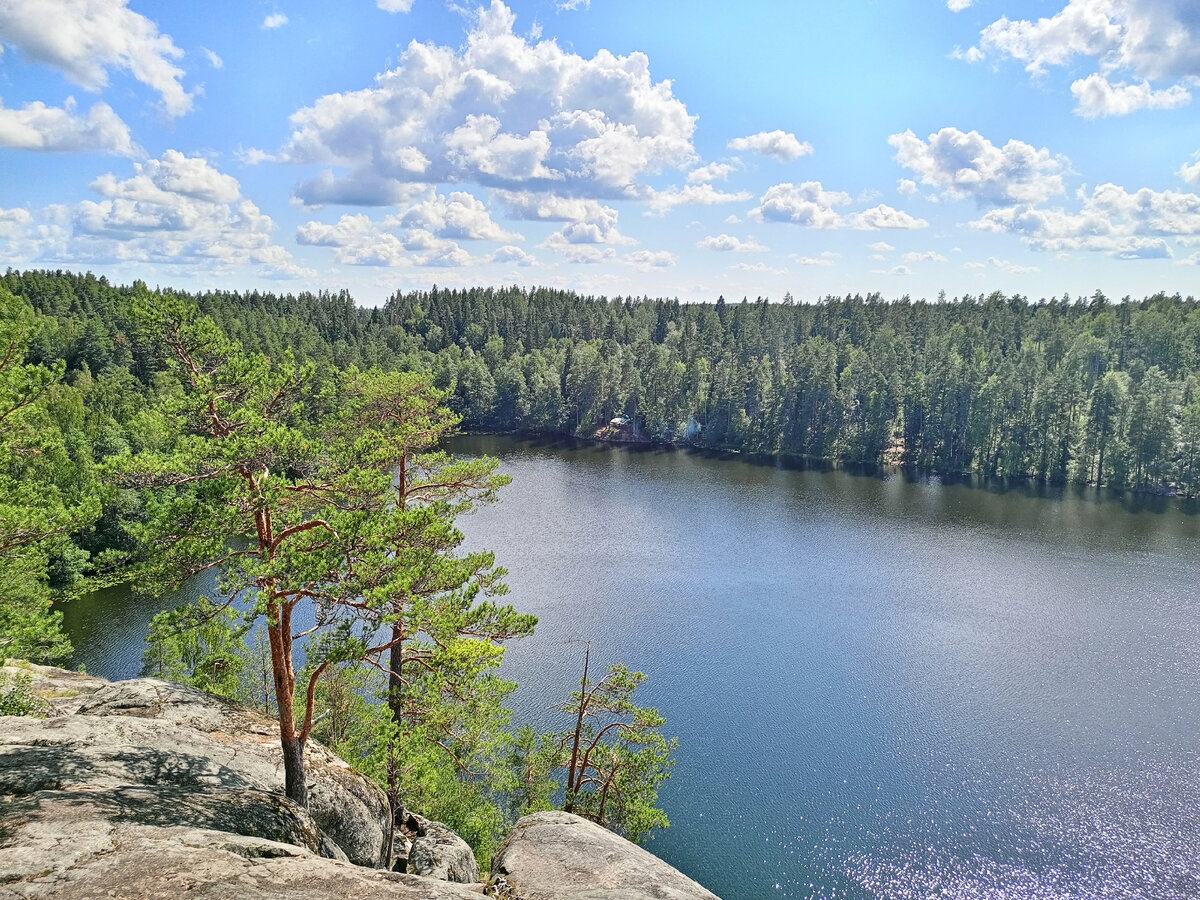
[(558, 856), (437, 852), (145, 788)]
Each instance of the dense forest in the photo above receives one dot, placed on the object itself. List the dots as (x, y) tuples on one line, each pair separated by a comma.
[(1085, 391)]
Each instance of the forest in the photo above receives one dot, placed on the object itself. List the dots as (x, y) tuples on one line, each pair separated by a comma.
[(1083, 391), (155, 434)]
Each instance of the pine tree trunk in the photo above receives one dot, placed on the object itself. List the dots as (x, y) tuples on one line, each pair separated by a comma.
[(295, 780)]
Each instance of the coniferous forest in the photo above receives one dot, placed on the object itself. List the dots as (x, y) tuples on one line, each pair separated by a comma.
[(1084, 391)]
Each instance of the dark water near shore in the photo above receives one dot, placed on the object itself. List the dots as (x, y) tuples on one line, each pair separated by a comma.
[(881, 687)]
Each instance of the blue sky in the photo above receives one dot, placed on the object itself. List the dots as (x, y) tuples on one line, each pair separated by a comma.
[(666, 148)]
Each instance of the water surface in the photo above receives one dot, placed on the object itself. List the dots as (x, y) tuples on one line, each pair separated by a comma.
[(881, 687)]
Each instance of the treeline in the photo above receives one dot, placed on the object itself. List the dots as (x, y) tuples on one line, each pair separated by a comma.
[(1085, 391)]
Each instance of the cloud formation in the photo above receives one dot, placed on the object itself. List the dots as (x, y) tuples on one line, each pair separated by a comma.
[(37, 126), (179, 210), (727, 243), (83, 39), (782, 145), (1097, 97), (812, 205), (1150, 40), (1124, 224), (502, 113), (965, 164)]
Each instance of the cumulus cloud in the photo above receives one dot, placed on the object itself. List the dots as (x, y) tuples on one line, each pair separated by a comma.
[(760, 268), (513, 256), (926, 256), (812, 205), (965, 164), (37, 126), (501, 112), (357, 240), (1003, 265), (1097, 97), (727, 243), (1190, 172), (782, 145), (458, 215), (717, 171), (275, 20), (645, 260), (83, 40), (213, 59), (958, 5), (881, 247), (662, 202), (883, 216), (825, 259), (1126, 225), (801, 204), (1150, 40), (394, 6), (179, 210)]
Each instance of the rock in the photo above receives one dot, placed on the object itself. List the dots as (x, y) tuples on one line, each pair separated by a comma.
[(63, 692), (559, 856), (151, 732), (437, 852), (154, 790), (238, 742)]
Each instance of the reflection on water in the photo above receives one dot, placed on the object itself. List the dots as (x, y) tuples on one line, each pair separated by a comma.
[(883, 686)]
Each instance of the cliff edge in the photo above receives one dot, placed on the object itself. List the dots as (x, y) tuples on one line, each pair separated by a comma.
[(145, 788)]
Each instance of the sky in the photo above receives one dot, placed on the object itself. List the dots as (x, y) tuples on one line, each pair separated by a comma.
[(668, 148)]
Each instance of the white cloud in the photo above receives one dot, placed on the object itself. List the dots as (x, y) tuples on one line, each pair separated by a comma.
[(457, 215), (1097, 97), (645, 260), (907, 187), (275, 20), (40, 127), (1150, 40), (357, 240), (574, 4), (810, 204), (514, 256), (881, 247), (926, 256), (728, 243), (733, 219), (966, 164), (716, 171), (801, 204), (825, 259), (178, 210), (894, 270), (85, 38), (760, 268), (661, 202), (1004, 266), (958, 5), (213, 59), (883, 216), (782, 145), (1190, 172), (501, 112), (1111, 220), (395, 6)]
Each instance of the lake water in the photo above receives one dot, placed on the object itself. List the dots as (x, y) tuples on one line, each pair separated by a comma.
[(881, 687)]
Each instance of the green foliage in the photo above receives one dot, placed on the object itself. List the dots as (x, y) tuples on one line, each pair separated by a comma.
[(17, 697), (201, 644)]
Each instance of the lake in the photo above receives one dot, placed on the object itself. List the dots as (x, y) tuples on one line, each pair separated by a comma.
[(881, 686)]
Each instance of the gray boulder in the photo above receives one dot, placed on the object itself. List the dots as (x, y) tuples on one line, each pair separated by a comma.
[(437, 852), (156, 733), (559, 856)]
